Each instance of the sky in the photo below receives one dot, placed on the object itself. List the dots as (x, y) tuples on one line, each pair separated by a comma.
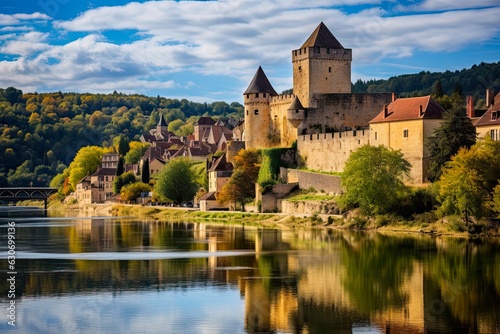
[(207, 51)]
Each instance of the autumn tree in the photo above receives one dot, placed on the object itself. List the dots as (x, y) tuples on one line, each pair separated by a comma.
[(132, 191), (136, 151), (123, 180), (455, 131), (240, 188), (176, 182), (373, 179), (496, 200), (86, 162), (469, 180)]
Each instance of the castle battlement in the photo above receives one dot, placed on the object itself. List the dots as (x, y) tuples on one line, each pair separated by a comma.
[(282, 97), (332, 136)]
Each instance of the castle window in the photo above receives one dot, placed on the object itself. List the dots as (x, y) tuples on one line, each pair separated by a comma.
[(264, 94), (329, 70), (256, 111), (328, 50), (248, 96), (300, 68), (376, 136), (305, 50), (256, 94), (405, 133), (247, 112)]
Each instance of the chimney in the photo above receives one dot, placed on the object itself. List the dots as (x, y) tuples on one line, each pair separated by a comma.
[(394, 97), (470, 106), (490, 96), (420, 111), (386, 113)]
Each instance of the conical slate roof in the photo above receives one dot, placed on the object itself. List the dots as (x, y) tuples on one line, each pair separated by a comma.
[(323, 38), (162, 121), (296, 105), (260, 84)]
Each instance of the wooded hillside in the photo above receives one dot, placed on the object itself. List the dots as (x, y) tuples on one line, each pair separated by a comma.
[(41, 133)]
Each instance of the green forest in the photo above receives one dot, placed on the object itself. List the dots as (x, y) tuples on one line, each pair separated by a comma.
[(41, 133), (472, 81)]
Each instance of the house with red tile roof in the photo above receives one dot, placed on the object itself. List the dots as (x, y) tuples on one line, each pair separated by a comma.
[(405, 124), (489, 123)]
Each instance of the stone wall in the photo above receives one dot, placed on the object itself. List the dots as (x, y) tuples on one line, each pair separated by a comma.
[(329, 152), (340, 111), (320, 182)]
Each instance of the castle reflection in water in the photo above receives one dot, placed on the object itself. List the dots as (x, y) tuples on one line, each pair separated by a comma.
[(300, 281)]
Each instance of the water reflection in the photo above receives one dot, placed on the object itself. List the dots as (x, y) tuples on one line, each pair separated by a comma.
[(194, 278)]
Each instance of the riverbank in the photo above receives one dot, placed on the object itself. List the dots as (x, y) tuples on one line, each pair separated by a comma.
[(451, 226)]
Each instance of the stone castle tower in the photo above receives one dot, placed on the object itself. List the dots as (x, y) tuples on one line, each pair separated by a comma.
[(321, 99), (321, 65), (257, 100)]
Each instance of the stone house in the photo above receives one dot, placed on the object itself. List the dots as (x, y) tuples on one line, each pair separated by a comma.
[(405, 125), (219, 172), (489, 123)]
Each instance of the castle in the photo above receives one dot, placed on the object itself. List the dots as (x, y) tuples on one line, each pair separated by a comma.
[(321, 101)]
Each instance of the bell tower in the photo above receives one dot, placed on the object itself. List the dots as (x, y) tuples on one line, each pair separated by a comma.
[(321, 66)]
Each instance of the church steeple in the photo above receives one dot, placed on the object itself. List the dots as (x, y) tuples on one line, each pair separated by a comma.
[(161, 127)]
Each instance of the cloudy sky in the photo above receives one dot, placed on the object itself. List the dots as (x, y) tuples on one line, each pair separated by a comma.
[(209, 50)]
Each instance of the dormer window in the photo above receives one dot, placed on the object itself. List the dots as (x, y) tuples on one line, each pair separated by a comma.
[(494, 115)]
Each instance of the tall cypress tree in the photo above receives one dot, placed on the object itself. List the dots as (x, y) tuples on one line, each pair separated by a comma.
[(455, 131), (145, 171), (120, 168)]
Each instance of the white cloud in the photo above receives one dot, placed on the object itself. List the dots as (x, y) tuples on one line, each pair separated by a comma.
[(32, 16), (18, 28), (440, 5), (18, 18), (228, 39)]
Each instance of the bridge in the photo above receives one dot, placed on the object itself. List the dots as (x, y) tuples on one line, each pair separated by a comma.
[(14, 194)]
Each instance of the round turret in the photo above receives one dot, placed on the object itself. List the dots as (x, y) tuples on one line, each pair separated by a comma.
[(296, 113)]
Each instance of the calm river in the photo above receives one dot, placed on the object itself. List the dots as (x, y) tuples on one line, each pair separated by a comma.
[(108, 275)]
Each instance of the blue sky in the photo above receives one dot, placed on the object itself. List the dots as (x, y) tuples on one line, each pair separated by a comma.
[(209, 50)]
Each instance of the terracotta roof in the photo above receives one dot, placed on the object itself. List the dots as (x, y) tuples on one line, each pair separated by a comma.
[(260, 84), (409, 108), (492, 115), (105, 171), (296, 104), (323, 38)]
